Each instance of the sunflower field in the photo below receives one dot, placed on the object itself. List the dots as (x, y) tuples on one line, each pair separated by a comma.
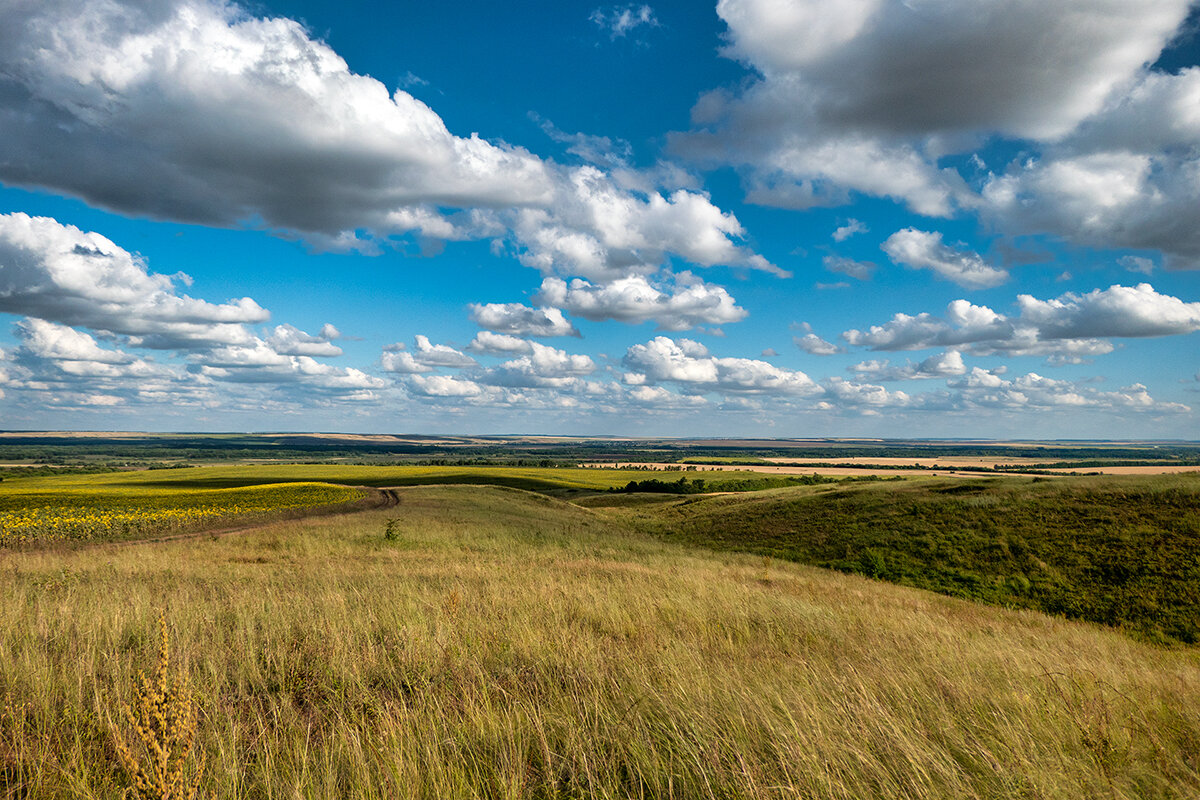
[(28, 517)]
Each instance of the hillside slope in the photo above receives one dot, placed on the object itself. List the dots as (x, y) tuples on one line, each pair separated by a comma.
[(1121, 551), (505, 644)]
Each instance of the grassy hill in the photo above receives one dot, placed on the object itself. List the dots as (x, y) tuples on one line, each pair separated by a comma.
[(1117, 550), (507, 644)]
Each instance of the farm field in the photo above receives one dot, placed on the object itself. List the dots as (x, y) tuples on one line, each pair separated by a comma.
[(509, 644), (130, 504), (40, 512)]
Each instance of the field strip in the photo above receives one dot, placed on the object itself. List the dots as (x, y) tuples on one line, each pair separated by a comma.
[(883, 466), (772, 469), (376, 498)]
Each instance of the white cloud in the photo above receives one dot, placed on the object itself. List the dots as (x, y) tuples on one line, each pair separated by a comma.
[(65, 278), (844, 232), (925, 250), (841, 392), (426, 357), (1126, 311), (1129, 178), (981, 389), (1068, 328), (598, 231), (869, 95), (815, 345), (519, 320), (541, 367), (59, 273), (687, 303), (927, 66), (195, 110), (444, 386), (689, 363), (402, 362), (619, 21), (939, 365), (62, 343), (290, 340), (498, 344), (440, 355)]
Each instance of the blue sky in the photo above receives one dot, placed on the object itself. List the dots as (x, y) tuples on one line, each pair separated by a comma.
[(869, 218)]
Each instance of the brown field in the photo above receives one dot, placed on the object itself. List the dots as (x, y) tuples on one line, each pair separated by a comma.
[(944, 461), (765, 468), (1150, 469)]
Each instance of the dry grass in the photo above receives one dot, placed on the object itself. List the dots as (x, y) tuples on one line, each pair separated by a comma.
[(163, 715), (507, 645)]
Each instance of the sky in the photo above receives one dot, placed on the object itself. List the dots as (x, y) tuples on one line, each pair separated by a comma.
[(870, 218)]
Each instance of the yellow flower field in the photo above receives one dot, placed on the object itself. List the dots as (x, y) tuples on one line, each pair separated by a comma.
[(50, 517)]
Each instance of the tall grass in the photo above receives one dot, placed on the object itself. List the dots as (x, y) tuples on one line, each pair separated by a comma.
[(1119, 550), (509, 645)]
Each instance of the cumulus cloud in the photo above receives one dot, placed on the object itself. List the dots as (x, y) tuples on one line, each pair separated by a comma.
[(939, 365), (689, 364), (290, 340), (868, 96), (1069, 328), (598, 231), (980, 389), (440, 355), (444, 386), (910, 247), (925, 67), (686, 303), (498, 344), (542, 367), (815, 345), (841, 392), (62, 343), (195, 110), (59, 273), (425, 357), (518, 320), (63, 279), (1129, 177), (1125, 311), (402, 362)]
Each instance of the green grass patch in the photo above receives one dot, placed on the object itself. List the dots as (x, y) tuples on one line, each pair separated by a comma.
[(1118, 550)]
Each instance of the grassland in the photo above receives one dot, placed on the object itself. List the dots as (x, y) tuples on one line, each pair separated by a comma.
[(514, 645), (1118, 550)]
